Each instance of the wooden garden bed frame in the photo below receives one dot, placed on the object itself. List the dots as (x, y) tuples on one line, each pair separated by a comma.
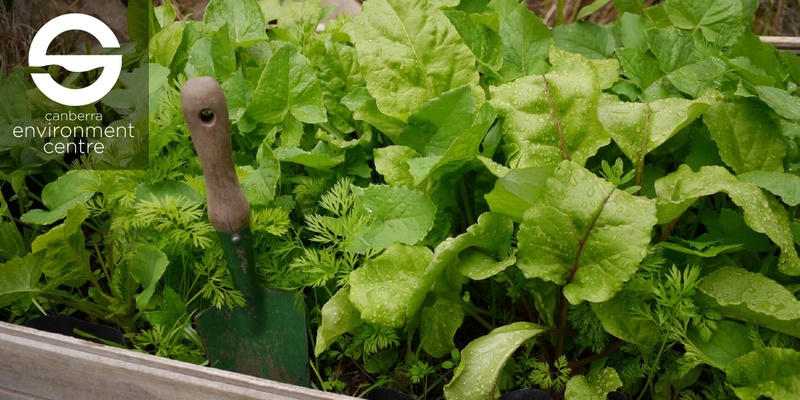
[(783, 42), (41, 365)]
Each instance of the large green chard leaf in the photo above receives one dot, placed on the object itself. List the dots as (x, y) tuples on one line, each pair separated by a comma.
[(526, 40), (483, 250), (678, 190), (409, 54), (437, 123), (748, 296), (699, 76), (585, 38), (19, 277), (298, 20), (244, 18), (786, 105), (365, 108), (748, 46), (729, 341), (639, 67), (769, 372), (747, 138), (483, 359), (518, 190), (288, 85), (10, 236), (389, 289), (709, 16), (673, 48), (784, 185), (338, 317), (639, 128), (392, 163), (479, 32), (616, 318), (220, 65), (595, 386), (632, 31), (142, 22), (147, 268), (401, 216), (259, 184), (339, 74), (552, 117), (66, 257), (584, 233), (71, 189), (319, 157), (165, 44), (427, 172), (438, 324)]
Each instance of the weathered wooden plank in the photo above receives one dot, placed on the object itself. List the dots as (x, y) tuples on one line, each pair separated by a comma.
[(783, 42), (40, 365)]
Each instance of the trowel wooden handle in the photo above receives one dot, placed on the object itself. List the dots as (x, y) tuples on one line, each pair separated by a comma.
[(206, 113)]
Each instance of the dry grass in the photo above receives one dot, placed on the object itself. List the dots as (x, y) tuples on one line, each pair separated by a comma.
[(778, 18), (18, 27), (16, 38)]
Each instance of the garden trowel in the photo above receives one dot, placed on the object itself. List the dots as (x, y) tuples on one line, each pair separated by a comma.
[(267, 337)]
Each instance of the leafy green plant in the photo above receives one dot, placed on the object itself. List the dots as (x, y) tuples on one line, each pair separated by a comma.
[(435, 181)]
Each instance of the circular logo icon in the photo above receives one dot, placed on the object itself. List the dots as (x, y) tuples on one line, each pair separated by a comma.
[(111, 64)]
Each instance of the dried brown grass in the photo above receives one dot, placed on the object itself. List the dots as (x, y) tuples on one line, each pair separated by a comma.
[(19, 26)]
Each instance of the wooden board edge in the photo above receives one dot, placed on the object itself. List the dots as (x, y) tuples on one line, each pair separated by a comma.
[(783, 42), (35, 364)]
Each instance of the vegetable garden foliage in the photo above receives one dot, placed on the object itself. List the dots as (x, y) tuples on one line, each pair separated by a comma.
[(467, 201)]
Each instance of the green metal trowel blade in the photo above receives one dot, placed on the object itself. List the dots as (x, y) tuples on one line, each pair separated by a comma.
[(266, 340)]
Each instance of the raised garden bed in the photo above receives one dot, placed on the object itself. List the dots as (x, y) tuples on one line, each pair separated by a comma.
[(464, 203), (41, 365)]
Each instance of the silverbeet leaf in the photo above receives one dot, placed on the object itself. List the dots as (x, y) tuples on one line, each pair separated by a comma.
[(287, 85), (552, 117), (711, 17), (400, 215), (338, 317), (769, 372), (747, 137), (748, 296), (479, 32), (526, 40), (433, 127), (639, 128), (585, 38), (147, 268), (244, 18), (438, 326), (729, 341), (410, 53), (483, 360), (19, 278), (677, 191), (518, 190), (389, 289), (781, 101), (585, 234), (594, 386), (784, 185)]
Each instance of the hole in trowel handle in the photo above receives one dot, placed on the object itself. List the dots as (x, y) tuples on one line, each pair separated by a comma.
[(207, 116)]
